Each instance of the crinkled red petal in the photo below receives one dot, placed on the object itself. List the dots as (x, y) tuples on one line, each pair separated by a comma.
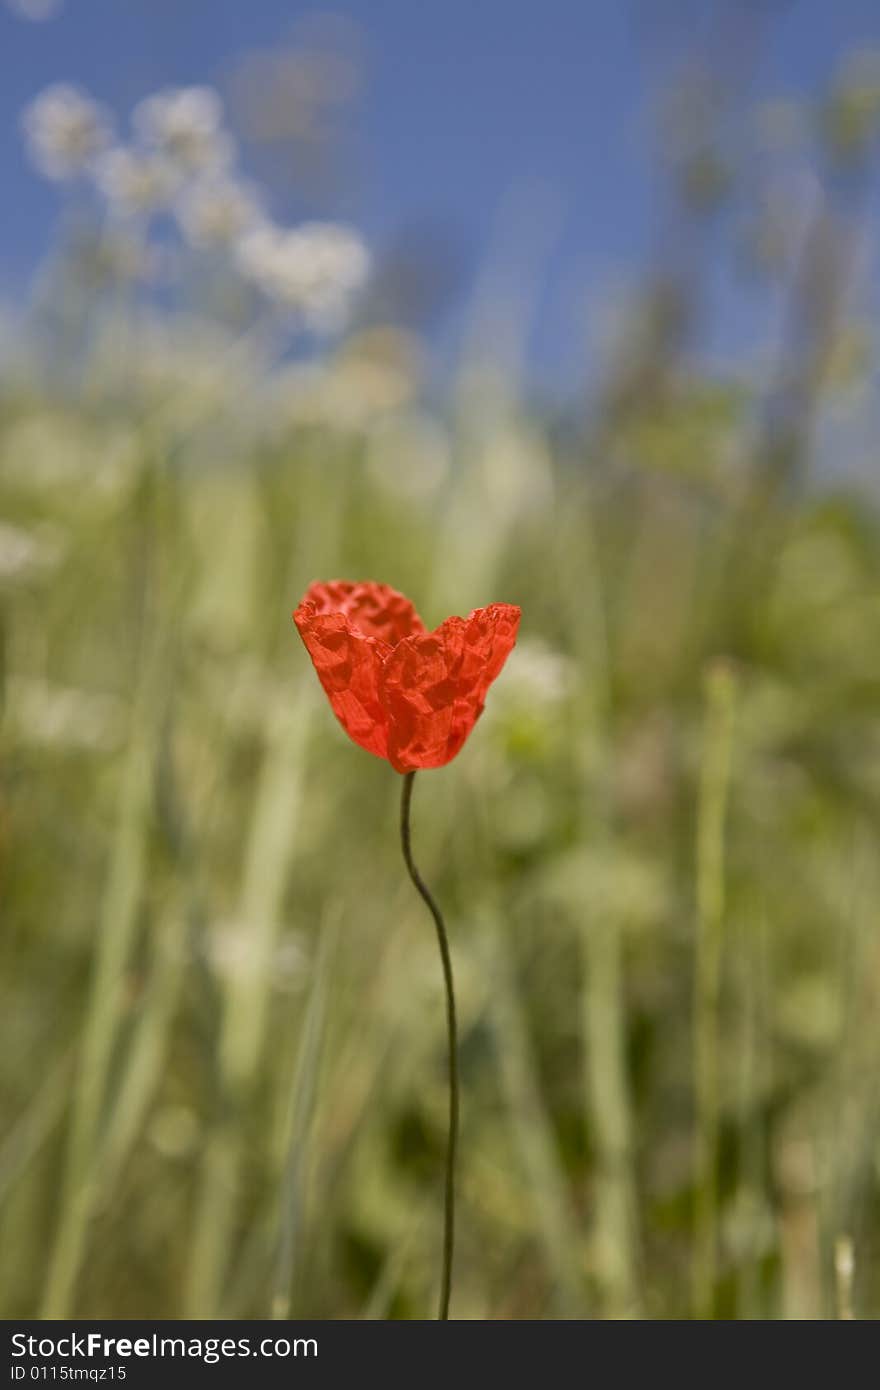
[(375, 610), (433, 684), (349, 667)]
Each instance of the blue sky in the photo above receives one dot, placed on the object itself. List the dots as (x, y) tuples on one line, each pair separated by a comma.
[(520, 131)]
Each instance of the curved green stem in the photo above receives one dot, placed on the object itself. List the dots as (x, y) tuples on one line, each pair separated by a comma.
[(452, 1143)]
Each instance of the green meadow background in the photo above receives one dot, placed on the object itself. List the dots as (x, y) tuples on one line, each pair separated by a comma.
[(222, 1072)]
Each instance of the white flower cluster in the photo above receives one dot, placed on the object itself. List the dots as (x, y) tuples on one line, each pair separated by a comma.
[(65, 131), (134, 182), (182, 159), (314, 269), (184, 125), (219, 212)]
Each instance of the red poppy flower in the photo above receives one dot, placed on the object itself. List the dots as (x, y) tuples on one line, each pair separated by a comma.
[(401, 692)]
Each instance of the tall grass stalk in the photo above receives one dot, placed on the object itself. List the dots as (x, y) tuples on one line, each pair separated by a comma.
[(616, 1240), (752, 1082), (148, 1048), (300, 1114), (711, 814), (381, 1298), (532, 1129), (27, 1136), (268, 858), (83, 1177), (22, 1190), (844, 1272), (600, 931)]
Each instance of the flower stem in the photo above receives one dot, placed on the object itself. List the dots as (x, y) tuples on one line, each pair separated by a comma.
[(452, 1143)]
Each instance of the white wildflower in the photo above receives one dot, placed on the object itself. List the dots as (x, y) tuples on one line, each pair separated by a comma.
[(65, 129), (314, 269), (218, 211), (135, 182), (185, 125), (258, 253)]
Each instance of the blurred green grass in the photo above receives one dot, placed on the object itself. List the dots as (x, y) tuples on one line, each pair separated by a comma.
[(222, 1071)]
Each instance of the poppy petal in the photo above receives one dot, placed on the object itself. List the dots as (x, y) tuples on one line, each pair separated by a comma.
[(349, 666), (433, 684), (375, 610)]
